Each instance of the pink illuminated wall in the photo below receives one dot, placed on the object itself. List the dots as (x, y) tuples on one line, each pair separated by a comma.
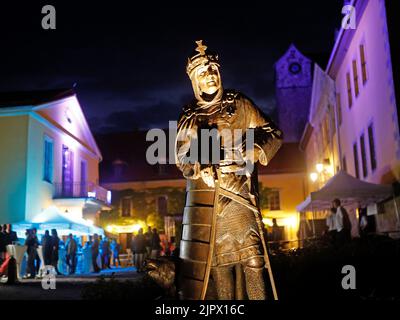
[(375, 103)]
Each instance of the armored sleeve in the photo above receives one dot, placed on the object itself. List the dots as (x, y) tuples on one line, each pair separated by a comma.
[(185, 135), (267, 135)]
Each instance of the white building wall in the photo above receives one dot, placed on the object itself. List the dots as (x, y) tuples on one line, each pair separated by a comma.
[(375, 102)]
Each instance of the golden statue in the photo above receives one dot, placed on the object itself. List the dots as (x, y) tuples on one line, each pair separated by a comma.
[(222, 250)]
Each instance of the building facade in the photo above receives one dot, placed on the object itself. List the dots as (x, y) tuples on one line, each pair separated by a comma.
[(49, 160), (353, 122), (140, 189)]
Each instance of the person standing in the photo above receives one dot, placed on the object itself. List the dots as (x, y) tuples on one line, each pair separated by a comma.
[(46, 248), (87, 258), (95, 253), (3, 241), (115, 247), (155, 244), (55, 246), (132, 247), (12, 235), (331, 224), (32, 244), (71, 248), (139, 249), (37, 258), (343, 224), (105, 253), (148, 236)]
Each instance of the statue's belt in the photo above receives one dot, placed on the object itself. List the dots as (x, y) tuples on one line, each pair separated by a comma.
[(239, 199)]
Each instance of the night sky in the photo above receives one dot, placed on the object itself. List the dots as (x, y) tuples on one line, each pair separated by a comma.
[(128, 61)]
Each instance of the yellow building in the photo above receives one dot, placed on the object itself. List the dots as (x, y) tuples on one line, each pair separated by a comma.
[(49, 163), (140, 189)]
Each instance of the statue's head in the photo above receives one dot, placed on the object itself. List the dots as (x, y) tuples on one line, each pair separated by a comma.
[(203, 71)]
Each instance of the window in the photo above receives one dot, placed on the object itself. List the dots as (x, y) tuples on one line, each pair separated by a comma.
[(371, 140), (363, 64), (326, 129), (349, 96), (48, 160), (339, 108), (355, 155), (344, 164), (355, 78), (274, 201), (67, 174), (363, 156), (332, 120), (162, 205), (126, 207), (83, 182)]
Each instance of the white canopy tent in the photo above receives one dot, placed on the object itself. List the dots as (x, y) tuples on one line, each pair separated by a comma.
[(52, 218), (351, 192)]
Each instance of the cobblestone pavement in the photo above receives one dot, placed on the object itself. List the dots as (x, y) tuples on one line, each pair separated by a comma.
[(67, 287)]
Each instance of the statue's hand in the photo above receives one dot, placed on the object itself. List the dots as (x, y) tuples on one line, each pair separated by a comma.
[(207, 176), (252, 153)]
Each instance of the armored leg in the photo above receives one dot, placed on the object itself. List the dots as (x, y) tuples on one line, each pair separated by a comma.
[(254, 274), (223, 278)]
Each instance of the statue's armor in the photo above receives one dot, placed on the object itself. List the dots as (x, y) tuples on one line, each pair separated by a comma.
[(237, 231)]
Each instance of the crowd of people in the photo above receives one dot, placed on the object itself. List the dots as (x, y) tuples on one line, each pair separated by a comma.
[(103, 253), (96, 254), (50, 245), (49, 250), (145, 245)]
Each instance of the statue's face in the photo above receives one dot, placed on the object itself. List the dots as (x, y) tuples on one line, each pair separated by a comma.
[(208, 78)]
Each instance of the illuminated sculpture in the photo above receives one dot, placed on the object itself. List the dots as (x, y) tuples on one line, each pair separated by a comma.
[(222, 249)]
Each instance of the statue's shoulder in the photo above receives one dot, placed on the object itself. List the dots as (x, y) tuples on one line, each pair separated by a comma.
[(234, 102), (188, 110), (232, 96)]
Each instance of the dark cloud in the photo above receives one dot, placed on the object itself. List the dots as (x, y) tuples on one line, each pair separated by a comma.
[(129, 61)]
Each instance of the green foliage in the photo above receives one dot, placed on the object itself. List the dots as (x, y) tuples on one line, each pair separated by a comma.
[(144, 203), (263, 196), (155, 220)]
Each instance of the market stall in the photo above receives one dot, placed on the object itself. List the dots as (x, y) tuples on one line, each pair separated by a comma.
[(352, 192)]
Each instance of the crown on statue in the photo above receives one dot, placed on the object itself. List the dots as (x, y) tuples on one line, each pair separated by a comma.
[(200, 57)]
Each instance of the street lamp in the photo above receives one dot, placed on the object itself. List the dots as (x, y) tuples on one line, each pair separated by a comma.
[(319, 167), (313, 176)]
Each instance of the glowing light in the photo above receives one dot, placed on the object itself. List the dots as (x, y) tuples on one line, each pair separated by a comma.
[(290, 222), (319, 167), (267, 222), (313, 176), (132, 228), (90, 222), (109, 195), (91, 194)]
